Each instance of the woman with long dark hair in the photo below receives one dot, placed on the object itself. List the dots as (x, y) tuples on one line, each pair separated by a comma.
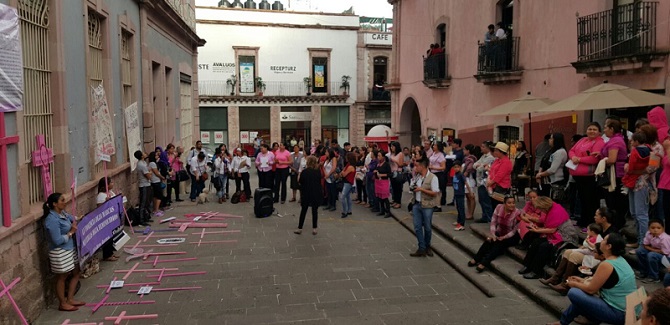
[(616, 152), (106, 192), (157, 184), (382, 174), (469, 172), (61, 227), (362, 195), (520, 167), (329, 172), (310, 193), (552, 166), (397, 162)]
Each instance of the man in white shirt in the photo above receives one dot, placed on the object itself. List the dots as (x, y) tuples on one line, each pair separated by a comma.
[(500, 32), (193, 153), (198, 167), (426, 188)]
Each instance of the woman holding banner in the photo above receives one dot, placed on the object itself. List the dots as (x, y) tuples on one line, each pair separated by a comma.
[(106, 192), (61, 227)]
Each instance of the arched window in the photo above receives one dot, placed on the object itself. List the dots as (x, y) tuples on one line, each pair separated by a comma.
[(441, 35)]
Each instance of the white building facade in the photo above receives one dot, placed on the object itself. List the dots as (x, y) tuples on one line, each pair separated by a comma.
[(276, 74)]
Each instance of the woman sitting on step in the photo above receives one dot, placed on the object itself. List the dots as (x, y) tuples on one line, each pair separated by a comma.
[(572, 258), (504, 234), (613, 281)]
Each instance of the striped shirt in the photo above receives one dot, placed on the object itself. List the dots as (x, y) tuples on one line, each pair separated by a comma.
[(505, 224)]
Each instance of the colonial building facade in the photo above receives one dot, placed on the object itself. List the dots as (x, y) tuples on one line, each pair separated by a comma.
[(284, 75), (140, 52), (547, 51)]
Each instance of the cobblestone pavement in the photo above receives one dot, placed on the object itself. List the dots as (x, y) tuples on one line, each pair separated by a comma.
[(355, 271)]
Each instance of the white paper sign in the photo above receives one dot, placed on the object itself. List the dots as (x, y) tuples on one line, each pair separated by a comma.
[(218, 137), (11, 61), (571, 165), (133, 134), (116, 284), (244, 137), (103, 129), (204, 136), (144, 290), (196, 219)]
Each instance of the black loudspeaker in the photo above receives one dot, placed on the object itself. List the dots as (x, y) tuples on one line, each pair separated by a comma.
[(263, 203)]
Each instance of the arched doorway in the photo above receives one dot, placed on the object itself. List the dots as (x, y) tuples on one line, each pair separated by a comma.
[(410, 123)]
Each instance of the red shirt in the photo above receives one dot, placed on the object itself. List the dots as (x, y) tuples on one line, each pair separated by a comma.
[(501, 172), (639, 160), (350, 177)]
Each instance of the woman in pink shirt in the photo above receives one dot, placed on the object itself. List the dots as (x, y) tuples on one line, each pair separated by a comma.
[(283, 160), (500, 174), (174, 159), (541, 250), (586, 155)]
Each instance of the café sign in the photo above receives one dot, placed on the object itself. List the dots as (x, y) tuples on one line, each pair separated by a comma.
[(295, 116), (379, 38)]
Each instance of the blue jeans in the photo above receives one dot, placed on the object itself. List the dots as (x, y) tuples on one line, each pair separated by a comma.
[(591, 307), (331, 189), (650, 262), (485, 202), (196, 187), (423, 219), (666, 280), (224, 179), (638, 202), (370, 187), (346, 197), (459, 201)]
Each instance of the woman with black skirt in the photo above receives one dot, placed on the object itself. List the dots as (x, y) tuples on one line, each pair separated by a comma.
[(311, 194)]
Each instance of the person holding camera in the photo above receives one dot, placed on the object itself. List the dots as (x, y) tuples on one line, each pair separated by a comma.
[(426, 189)]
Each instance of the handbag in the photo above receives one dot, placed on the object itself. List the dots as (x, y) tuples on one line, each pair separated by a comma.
[(499, 193), (558, 193), (182, 176), (204, 176), (603, 180)]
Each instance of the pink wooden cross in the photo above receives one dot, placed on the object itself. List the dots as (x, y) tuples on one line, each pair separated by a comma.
[(122, 316), (43, 157), (5, 292), (4, 171)]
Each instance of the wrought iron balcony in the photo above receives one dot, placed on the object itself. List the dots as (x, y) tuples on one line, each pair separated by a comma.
[(435, 71), (498, 61), (619, 39), (379, 94), (272, 88)]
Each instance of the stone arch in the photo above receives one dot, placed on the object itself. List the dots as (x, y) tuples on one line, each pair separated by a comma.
[(410, 129)]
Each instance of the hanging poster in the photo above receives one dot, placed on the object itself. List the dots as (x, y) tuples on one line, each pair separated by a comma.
[(246, 77), (253, 135), (218, 136), (11, 62), (319, 78), (204, 137), (244, 137), (103, 129), (133, 132)]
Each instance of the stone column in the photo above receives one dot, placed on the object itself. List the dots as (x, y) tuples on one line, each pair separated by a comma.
[(316, 123), (233, 126), (275, 124)]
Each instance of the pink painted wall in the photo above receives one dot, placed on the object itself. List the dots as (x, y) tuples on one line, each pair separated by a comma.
[(548, 44)]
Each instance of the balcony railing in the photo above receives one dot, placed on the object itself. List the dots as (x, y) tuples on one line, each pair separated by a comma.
[(435, 67), (498, 56), (272, 88), (379, 94), (623, 31)]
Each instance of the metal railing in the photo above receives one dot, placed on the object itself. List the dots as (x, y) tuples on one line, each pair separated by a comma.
[(625, 30), (272, 88), (435, 67), (379, 94), (498, 56)]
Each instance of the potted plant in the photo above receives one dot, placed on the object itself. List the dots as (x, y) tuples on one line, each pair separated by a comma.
[(345, 84), (308, 84), (260, 85), (232, 81)]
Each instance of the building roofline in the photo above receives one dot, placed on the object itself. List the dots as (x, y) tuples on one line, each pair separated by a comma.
[(281, 11)]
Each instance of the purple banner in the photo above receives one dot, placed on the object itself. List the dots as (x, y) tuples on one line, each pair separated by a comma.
[(97, 227)]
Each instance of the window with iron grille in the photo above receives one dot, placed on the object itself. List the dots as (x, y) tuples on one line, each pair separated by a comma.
[(508, 134), (95, 62), (127, 97), (186, 124), (37, 110)]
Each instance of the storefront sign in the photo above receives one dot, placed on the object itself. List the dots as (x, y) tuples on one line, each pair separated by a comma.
[(97, 227), (295, 116), (204, 137), (253, 135), (218, 136), (247, 77), (283, 69), (379, 38), (378, 121), (244, 137), (223, 67)]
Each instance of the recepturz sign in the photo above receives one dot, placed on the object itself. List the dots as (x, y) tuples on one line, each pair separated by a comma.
[(283, 69)]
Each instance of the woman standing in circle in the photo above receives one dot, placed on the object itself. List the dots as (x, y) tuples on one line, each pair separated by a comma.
[(616, 152), (397, 162), (297, 159), (438, 166), (329, 172), (382, 174), (310, 193), (61, 227), (586, 155)]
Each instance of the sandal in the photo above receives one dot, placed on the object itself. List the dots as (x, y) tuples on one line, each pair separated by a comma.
[(480, 268), (112, 259), (472, 263)]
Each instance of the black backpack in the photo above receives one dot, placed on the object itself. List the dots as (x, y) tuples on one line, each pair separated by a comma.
[(235, 199)]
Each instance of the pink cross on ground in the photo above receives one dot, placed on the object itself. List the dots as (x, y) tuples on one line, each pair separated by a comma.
[(4, 171), (5, 291), (168, 289), (43, 157), (67, 322), (122, 316), (183, 226)]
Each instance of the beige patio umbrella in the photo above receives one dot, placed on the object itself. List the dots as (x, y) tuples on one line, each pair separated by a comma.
[(606, 96), (522, 105)]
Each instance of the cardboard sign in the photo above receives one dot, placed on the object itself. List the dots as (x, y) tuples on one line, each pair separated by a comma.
[(204, 137), (634, 306), (218, 136)]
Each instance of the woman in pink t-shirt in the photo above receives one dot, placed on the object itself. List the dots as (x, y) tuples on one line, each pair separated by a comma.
[(586, 155), (283, 160)]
